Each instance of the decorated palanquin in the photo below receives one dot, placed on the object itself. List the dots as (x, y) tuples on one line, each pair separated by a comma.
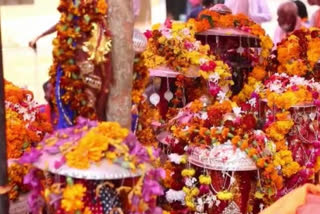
[(235, 39), (94, 168), (81, 69)]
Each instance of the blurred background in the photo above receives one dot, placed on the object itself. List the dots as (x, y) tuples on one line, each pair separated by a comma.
[(20, 24)]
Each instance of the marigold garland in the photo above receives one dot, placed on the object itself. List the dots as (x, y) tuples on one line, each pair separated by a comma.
[(25, 124), (16, 173), (174, 45), (76, 21), (298, 54), (95, 146)]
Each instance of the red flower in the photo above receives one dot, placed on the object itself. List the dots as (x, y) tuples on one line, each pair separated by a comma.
[(248, 122)]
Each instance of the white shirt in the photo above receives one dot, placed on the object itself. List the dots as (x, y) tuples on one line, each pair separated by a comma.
[(257, 10)]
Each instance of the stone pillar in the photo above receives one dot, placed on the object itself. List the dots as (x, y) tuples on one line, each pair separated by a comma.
[(121, 22)]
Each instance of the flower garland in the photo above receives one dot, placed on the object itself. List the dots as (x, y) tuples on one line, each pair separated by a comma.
[(16, 172), (174, 45), (77, 19), (89, 143), (141, 80), (298, 54), (285, 92), (25, 124), (226, 122)]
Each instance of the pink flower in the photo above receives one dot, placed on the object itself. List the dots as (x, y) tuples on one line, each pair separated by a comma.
[(168, 23), (59, 163), (317, 103), (188, 45), (214, 89), (204, 189), (148, 34)]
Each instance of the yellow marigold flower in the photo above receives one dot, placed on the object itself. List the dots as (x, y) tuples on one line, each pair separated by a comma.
[(72, 198), (186, 190), (224, 196), (188, 172), (156, 26), (194, 192), (204, 179)]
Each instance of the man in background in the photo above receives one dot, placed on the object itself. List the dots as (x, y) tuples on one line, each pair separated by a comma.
[(257, 10), (288, 21)]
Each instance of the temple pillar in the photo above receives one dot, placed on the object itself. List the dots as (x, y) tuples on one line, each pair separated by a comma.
[(121, 21)]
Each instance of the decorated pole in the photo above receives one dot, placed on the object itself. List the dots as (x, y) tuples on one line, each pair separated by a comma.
[(4, 200), (121, 22)]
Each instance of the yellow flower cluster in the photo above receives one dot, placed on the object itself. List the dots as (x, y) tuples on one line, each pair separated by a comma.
[(278, 130), (313, 52), (288, 166), (289, 98), (248, 89), (299, 53), (205, 179), (93, 147), (188, 172), (72, 198), (191, 193), (225, 195), (223, 71)]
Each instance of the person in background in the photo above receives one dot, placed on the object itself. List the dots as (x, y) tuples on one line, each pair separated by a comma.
[(288, 21), (315, 19), (47, 108), (175, 8), (206, 4), (302, 12), (33, 43), (257, 10), (197, 7)]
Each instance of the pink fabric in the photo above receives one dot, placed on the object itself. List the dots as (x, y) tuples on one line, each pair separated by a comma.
[(312, 205), (281, 34)]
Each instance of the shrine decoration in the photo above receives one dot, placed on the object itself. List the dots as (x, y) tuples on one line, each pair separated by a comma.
[(223, 174), (204, 127), (298, 55), (177, 65), (246, 47), (26, 125), (95, 154), (81, 64), (291, 120)]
